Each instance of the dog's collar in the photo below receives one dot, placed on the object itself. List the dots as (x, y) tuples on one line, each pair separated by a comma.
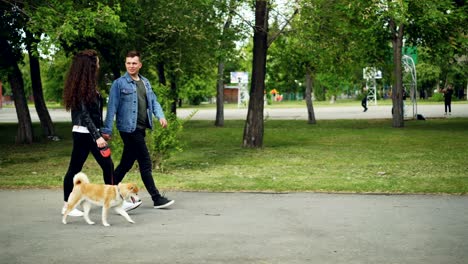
[(118, 191)]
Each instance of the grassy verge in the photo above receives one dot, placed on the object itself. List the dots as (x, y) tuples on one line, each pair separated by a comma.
[(363, 156), (319, 104)]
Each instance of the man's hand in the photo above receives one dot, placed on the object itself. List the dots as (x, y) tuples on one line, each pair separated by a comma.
[(163, 122), (107, 137)]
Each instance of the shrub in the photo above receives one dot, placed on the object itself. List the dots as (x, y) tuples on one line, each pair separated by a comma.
[(437, 97), (116, 145), (163, 142)]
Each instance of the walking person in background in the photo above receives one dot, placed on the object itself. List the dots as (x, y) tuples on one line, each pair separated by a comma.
[(133, 102), (448, 92), (364, 99), (82, 98)]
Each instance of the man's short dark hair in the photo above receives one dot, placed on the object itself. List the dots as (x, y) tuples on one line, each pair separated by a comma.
[(133, 53)]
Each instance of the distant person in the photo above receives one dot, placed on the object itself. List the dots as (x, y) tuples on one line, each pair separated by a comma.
[(81, 96), (422, 94), (364, 100), (461, 94), (448, 92), (133, 102)]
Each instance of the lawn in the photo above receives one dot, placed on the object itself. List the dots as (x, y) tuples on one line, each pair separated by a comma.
[(355, 156)]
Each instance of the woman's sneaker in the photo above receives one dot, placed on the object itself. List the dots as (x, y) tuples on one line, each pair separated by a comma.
[(127, 206), (162, 202), (74, 212)]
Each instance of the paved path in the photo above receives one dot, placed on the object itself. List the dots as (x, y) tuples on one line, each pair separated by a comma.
[(241, 228), (321, 113), (331, 112)]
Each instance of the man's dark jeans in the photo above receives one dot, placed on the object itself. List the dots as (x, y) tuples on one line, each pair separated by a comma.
[(135, 149)]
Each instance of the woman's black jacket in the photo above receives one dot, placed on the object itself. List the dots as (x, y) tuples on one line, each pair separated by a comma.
[(89, 116)]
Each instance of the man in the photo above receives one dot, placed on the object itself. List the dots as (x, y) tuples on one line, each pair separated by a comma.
[(133, 102)]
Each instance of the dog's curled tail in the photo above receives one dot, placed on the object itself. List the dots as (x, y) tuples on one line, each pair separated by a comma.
[(80, 178)]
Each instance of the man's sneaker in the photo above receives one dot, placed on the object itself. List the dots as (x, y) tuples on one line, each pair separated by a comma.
[(162, 202), (127, 206), (74, 212)]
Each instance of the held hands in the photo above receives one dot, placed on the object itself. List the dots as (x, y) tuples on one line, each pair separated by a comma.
[(101, 142), (106, 137)]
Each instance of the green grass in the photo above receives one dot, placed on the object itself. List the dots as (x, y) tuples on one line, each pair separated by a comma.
[(357, 156)]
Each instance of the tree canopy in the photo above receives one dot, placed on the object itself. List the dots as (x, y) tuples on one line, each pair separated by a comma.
[(313, 47)]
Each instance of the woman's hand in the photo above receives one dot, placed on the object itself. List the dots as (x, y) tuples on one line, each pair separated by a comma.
[(101, 142)]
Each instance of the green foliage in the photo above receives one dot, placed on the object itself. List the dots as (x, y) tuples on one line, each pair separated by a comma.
[(437, 97), (53, 73), (70, 21), (11, 36), (163, 142), (198, 88), (185, 44), (428, 74), (116, 145)]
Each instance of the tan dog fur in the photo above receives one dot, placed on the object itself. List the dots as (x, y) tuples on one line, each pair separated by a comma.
[(106, 196)]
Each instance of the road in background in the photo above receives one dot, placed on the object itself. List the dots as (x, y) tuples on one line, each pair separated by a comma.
[(8, 115)]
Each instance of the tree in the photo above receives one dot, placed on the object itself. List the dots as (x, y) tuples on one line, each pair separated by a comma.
[(254, 126), (321, 49), (36, 83), (10, 56), (179, 45), (397, 28), (405, 22), (62, 21), (445, 42), (253, 129), (225, 43)]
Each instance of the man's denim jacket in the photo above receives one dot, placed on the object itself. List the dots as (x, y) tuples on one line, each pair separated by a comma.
[(123, 102)]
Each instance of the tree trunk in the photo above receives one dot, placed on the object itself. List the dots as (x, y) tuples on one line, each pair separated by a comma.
[(115, 71), (219, 122), (397, 89), (253, 130), (308, 98), (9, 62), (161, 74), (25, 131), (173, 96), (39, 102)]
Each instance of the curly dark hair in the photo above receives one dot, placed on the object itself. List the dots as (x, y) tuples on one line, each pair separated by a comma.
[(81, 81)]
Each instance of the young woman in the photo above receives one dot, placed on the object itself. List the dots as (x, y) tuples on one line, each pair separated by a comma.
[(82, 98)]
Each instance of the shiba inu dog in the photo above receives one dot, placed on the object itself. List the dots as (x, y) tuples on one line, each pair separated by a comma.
[(107, 196)]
